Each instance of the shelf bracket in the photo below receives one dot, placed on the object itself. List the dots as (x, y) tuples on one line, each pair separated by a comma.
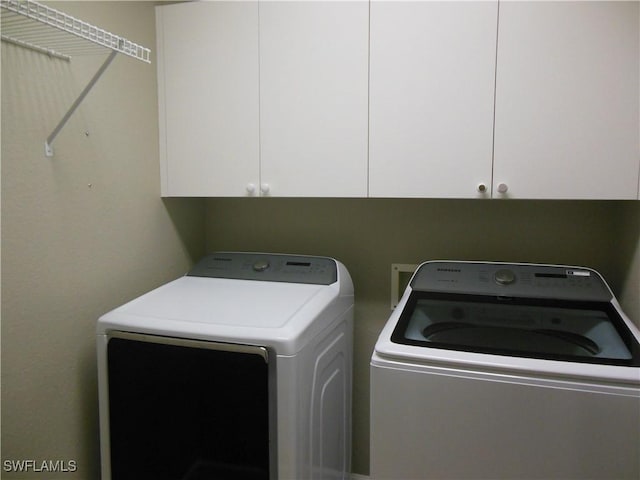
[(48, 149)]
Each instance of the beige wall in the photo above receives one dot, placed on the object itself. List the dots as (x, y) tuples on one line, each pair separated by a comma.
[(85, 231), (82, 232), (368, 235), (627, 260)]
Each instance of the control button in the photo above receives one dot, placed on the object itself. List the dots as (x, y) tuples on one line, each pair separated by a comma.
[(505, 277), (261, 265)]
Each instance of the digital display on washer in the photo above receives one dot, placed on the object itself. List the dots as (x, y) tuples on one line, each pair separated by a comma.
[(550, 275), (560, 330)]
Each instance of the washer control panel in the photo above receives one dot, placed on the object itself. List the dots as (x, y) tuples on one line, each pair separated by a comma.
[(267, 267), (512, 280)]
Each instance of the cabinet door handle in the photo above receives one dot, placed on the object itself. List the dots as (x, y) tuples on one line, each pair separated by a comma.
[(482, 188), (502, 188), (251, 188), (264, 188)]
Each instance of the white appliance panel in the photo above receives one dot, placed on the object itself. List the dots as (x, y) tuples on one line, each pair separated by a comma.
[(474, 398), (437, 424), (193, 342)]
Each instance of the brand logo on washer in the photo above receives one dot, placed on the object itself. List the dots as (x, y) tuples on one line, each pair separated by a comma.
[(453, 270)]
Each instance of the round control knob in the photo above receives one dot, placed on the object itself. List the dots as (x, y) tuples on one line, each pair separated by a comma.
[(502, 188), (505, 277), (261, 265)]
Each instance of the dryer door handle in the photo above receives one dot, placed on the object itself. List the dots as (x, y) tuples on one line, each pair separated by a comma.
[(185, 342)]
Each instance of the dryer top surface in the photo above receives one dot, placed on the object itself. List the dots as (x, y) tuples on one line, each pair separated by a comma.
[(271, 313)]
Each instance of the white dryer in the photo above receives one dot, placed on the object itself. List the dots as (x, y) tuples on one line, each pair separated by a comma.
[(239, 370), (494, 370)]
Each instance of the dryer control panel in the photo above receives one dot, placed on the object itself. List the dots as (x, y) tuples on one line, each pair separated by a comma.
[(267, 267), (512, 280)]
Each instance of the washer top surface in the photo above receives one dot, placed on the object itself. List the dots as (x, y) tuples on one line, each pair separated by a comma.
[(554, 319), (286, 300)]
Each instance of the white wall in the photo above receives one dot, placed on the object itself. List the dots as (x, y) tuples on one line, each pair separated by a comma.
[(82, 232)]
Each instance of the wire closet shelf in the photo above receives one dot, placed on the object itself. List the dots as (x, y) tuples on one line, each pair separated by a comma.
[(38, 27), (45, 29)]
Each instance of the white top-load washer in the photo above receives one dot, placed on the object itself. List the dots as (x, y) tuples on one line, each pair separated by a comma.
[(240, 369), (496, 370)]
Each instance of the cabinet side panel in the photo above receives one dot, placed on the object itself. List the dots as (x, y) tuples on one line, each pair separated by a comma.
[(162, 130)]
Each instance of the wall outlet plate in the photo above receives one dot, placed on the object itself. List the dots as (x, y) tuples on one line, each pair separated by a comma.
[(401, 274)]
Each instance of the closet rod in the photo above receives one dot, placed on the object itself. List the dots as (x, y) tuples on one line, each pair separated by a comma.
[(36, 48)]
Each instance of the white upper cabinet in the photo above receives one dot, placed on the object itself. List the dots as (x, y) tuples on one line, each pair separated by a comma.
[(208, 87), (440, 99), (313, 98), (432, 80), (264, 98), (567, 98)]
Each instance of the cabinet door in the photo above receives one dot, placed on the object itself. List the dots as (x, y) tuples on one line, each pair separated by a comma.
[(432, 86), (208, 98), (313, 98), (567, 99)]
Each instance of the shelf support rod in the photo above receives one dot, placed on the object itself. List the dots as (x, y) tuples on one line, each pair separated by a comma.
[(48, 149)]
